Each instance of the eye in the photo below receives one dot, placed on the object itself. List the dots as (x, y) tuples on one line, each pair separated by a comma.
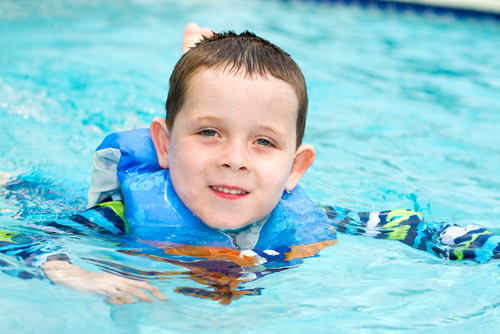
[(209, 133), (264, 142)]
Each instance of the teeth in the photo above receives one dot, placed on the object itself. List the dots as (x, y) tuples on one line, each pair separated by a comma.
[(228, 191)]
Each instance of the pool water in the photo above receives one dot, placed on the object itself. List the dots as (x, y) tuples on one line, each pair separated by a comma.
[(404, 113)]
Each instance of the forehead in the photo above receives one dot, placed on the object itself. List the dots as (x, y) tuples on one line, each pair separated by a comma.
[(214, 87)]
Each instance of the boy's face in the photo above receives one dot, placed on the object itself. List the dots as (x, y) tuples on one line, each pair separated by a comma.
[(232, 147)]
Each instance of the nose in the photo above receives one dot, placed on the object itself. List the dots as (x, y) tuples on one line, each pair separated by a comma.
[(235, 156)]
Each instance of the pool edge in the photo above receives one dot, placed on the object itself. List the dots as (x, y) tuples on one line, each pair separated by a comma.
[(481, 9), (484, 6)]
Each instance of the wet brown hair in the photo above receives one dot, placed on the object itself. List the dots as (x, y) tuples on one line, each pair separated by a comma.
[(245, 54)]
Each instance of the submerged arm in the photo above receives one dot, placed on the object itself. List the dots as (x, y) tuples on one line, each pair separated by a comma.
[(448, 241), (39, 252), (118, 290)]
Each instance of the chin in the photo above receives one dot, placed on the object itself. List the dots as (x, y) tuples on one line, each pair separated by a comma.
[(225, 224)]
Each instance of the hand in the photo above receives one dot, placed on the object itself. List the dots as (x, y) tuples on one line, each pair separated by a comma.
[(193, 33), (119, 290)]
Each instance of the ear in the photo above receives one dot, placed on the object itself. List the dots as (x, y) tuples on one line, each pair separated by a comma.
[(161, 140), (303, 159)]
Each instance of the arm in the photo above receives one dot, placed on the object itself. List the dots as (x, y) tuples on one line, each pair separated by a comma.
[(56, 265), (118, 290), (448, 241)]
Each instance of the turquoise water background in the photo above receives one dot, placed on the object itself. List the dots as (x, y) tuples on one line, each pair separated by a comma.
[(404, 113)]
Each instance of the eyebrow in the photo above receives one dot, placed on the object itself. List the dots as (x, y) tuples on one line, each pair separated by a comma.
[(267, 128), (208, 118)]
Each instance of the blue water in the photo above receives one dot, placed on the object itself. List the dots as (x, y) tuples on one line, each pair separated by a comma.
[(404, 113)]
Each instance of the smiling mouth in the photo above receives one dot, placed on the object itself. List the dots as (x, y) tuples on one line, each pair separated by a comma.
[(229, 191)]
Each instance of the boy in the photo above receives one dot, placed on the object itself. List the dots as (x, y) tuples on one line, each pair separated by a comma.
[(231, 140), (230, 153)]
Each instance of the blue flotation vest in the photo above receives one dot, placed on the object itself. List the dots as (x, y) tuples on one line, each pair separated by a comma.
[(155, 213)]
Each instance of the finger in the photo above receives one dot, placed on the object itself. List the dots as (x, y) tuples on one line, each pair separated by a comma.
[(114, 300), (125, 299), (154, 291), (141, 295)]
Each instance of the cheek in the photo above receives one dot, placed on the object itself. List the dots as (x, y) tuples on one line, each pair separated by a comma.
[(180, 156), (277, 173), (188, 163)]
